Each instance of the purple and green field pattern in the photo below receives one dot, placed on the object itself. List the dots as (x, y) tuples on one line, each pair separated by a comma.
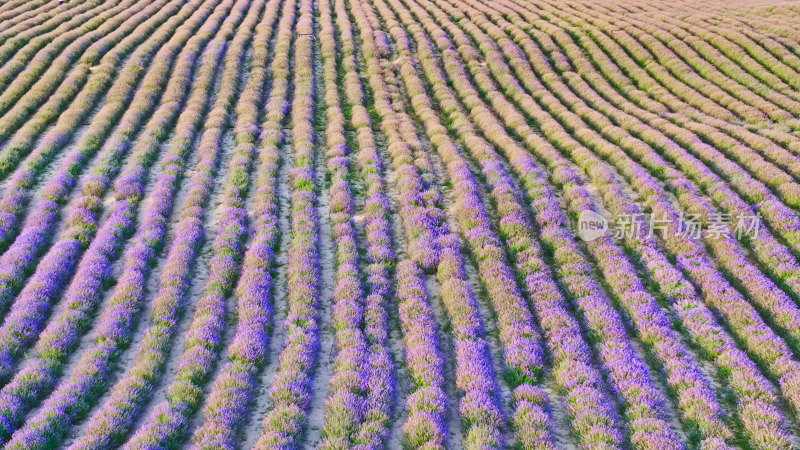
[(400, 224)]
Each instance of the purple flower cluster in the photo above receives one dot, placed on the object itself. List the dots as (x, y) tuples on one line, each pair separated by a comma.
[(33, 58), (53, 272), (227, 404), (463, 140), (783, 220), (348, 386), (521, 341), (426, 404), (592, 417), (627, 371), (64, 330), (18, 16), (479, 409)]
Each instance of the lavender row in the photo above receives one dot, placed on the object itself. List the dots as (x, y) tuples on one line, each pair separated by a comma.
[(593, 420), (168, 420), (783, 220), (768, 296), (20, 258), (598, 312), (291, 387), (151, 237), (703, 410), (72, 68), (419, 220), (230, 397), (54, 61), (725, 53), (709, 97), (348, 386), (31, 16), (18, 191), (32, 20), (60, 336), (663, 261), (32, 307), (701, 65), (380, 256), (481, 416), (482, 419), (10, 7), (19, 12), (672, 352), (776, 258), (24, 33), (31, 45), (61, 408), (426, 404), (698, 319), (111, 422), (712, 74), (713, 424), (732, 41), (746, 273), (769, 251), (773, 256), (521, 340), (16, 6), (779, 62)]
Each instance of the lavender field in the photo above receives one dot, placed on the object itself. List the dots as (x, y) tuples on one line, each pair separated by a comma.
[(402, 224)]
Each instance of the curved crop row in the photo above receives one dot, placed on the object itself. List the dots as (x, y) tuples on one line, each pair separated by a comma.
[(33, 304), (231, 394), (60, 337), (21, 256), (702, 321), (113, 419), (19, 186), (29, 91), (290, 392), (348, 385), (600, 184), (381, 381), (769, 296), (369, 224), (168, 420), (12, 9), (60, 408), (33, 38), (479, 409)]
